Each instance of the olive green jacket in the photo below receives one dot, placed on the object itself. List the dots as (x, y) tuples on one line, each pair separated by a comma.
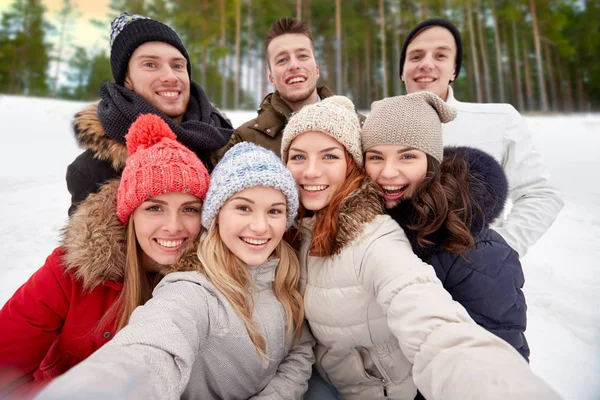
[(265, 130)]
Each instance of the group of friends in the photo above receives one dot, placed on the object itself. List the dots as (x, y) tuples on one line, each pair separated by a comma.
[(310, 253)]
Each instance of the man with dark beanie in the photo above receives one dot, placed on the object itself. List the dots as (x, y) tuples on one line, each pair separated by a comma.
[(430, 60), (152, 73)]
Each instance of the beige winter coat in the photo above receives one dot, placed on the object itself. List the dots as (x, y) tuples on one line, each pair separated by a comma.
[(385, 325)]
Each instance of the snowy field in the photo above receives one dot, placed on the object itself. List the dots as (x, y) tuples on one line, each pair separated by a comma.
[(562, 274)]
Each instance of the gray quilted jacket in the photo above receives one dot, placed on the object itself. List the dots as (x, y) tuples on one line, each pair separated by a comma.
[(188, 342)]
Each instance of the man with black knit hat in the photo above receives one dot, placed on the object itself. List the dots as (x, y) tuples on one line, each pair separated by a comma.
[(430, 60), (152, 73)]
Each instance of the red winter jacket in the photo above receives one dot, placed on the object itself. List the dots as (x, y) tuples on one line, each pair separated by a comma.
[(51, 323)]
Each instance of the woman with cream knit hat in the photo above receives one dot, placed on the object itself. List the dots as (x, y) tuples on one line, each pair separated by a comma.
[(230, 325), (383, 322), (445, 199)]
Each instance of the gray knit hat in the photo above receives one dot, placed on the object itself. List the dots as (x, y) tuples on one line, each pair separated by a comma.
[(244, 166), (130, 31), (334, 116), (413, 120)]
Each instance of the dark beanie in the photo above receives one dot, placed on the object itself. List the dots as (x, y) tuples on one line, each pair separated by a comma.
[(444, 23), (128, 32)]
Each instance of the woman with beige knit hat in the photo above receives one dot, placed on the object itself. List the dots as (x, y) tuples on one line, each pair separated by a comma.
[(383, 322), (445, 200)]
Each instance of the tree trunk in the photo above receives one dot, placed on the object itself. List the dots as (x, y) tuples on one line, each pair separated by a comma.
[(580, 93), (498, 46), (562, 96), (368, 67), (223, 60), (238, 61), (474, 62), (298, 9), (396, 16), (204, 44), (423, 11), (551, 78), (487, 80), (517, 66), (338, 49), (383, 47), (569, 90), (538, 56), (528, 83)]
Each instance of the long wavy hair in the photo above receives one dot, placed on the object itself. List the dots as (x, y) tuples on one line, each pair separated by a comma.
[(232, 278), (442, 200), (327, 219), (137, 284)]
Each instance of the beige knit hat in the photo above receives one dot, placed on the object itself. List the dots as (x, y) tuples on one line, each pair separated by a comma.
[(334, 116), (413, 120)]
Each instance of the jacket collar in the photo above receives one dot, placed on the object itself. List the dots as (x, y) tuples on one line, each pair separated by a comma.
[(358, 209), (94, 240), (451, 100), (90, 135), (488, 188)]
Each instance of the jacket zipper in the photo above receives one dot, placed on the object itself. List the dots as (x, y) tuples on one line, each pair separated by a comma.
[(384, 388)]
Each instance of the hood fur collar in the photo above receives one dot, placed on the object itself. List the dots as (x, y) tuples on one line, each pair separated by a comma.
[(90, 135), (488, 187), (358, 209), (94, 240)]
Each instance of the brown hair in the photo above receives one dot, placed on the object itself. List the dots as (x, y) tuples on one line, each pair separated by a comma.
[(284, 26), (442, 200), (327, 219), (231, 276), (137, 285)]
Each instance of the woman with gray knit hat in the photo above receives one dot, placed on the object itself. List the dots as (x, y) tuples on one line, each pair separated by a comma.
[(383, 322), (445, 200), (230, 325)]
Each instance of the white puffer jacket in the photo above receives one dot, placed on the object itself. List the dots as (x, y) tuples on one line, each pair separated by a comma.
[(499, 130), (381, 318)]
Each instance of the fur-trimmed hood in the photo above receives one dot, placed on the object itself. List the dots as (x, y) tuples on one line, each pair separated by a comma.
[(488, 187), (358, 209), (90, 135), (95, 242)]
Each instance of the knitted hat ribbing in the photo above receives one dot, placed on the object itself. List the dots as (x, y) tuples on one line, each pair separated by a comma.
[(441, 22), (157, 165), (244, 166), (130, 31), (334, 116), (413, 120)]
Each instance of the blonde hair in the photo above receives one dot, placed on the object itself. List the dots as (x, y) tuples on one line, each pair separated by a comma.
[(231, 277)]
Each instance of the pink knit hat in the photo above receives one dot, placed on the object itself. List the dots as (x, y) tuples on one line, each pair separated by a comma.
[(157, 164)]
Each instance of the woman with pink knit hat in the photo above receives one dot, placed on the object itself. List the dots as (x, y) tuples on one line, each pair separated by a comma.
[(114, 250), (383, 322)]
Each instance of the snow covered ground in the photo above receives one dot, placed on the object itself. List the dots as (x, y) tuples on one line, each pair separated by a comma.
[(562, 273)]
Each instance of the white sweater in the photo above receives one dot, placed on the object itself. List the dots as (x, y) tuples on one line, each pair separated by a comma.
[(500, 130)]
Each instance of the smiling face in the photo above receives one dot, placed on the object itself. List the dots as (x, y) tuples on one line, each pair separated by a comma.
[(293, 70), (158, 72), (430, 62), (396, 169), (252, 222), (164, 225), (318, 164)]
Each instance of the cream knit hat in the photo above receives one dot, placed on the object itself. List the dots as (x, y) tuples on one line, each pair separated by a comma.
[(334, 116), (413, 120)]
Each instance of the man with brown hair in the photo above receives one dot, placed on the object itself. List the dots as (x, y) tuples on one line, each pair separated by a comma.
[(293, 70)]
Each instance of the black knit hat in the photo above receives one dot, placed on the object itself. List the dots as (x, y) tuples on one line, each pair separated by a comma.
[(128, 32), (444, 23)]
